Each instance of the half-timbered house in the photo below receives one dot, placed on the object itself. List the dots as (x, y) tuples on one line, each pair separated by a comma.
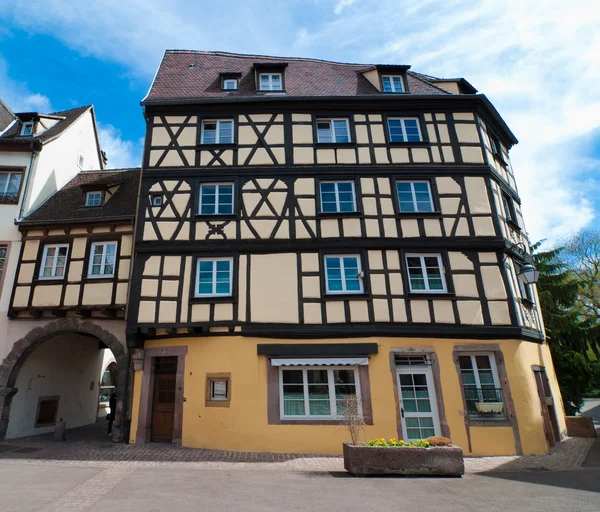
[(309, 230), (67, 307)]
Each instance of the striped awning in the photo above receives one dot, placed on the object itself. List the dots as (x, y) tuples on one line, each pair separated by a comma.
[(325, 361)]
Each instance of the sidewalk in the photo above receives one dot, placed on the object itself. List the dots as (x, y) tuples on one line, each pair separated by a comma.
[(88, 446)]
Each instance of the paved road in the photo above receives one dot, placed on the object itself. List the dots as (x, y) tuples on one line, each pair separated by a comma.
[(54, 487)]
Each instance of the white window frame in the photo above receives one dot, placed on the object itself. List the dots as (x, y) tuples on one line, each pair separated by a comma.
[(330, 120), (214, 293), (45, 257), (80, 161), (414, 196), (29, 124), (102, 275), (87, 196), (156, 197), (441, 268), (344, 291), (230, 81), (8, 177), (391, 79), (270, 87), (218, 131), (337, 196), (217, 187), (403, 125), (216, 398), (492, 359), (330, 385)]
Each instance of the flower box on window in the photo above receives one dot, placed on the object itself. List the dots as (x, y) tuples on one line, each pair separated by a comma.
[(489, 407)]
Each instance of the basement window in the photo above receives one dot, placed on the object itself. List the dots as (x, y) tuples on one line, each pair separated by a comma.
[(47, 410)]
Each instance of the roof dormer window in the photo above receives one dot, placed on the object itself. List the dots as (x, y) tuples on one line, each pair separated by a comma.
[(230, 84), (27, 129), (392, 83), (270, 82), (93, 198)]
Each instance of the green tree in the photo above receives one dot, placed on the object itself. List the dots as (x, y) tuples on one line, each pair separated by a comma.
[(571, 333)]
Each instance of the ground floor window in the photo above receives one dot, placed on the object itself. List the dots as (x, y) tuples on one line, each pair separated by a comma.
[(481, 385), (317, 392)]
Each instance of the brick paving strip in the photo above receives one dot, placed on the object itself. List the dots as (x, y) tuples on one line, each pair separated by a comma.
[(568, 455)]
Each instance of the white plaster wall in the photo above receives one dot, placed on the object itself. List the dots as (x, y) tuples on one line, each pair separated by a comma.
[(66, 366), (57, 162)]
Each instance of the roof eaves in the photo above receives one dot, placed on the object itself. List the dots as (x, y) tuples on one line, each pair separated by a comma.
[(155, 75)]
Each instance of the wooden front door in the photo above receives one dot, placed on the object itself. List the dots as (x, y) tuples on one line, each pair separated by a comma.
[(548, 408), (163, 408)]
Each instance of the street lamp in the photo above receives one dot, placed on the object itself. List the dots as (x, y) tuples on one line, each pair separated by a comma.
[(529, 274)]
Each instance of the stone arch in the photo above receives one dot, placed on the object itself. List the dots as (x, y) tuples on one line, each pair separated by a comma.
[(10, 367)]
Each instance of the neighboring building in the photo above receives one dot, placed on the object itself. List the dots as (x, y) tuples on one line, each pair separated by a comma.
[(309, 230), (67, 305)]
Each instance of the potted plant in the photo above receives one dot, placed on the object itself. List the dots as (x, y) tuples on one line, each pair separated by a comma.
[(432, 456)]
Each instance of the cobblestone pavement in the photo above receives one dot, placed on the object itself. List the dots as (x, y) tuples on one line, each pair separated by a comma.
[(87, 446)]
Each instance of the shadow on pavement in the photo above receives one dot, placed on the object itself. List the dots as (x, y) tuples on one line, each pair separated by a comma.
[(580, 480)]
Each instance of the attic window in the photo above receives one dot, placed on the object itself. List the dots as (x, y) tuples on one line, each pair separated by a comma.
[(93, 198), (230, 84), (270, 82), (392, 83), (27, 129), (80, 161)]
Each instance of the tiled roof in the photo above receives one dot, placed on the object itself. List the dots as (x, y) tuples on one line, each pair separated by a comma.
[(186, 74), (6, 115), (66, 205), (70, 116)]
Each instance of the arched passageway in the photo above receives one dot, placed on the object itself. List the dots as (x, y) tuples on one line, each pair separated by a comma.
[(54, 372)]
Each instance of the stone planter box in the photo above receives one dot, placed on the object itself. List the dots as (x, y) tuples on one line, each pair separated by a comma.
[(361, 459)]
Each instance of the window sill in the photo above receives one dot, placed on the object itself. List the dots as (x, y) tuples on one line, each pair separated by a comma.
[(335, 215), (418, 214), (500, 422), (99, 279), (514, 225), (217, 299), (310, 422), (229, 145), (335, 145), (215, 216), (421, 143), (346, 296), (430, 295), (277, 91)]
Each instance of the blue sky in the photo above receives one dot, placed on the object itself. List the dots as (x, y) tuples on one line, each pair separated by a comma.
[(535, 59)]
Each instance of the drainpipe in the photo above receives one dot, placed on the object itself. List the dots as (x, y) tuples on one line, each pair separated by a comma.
[(26, 186)]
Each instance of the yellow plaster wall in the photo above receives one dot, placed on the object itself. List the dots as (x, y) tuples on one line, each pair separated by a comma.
[(244, 425)]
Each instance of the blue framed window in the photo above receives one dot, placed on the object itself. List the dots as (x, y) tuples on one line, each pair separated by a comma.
[(404, 129), (217, 132), (216, 199), (214, 277), (343, 274), (414, 196), (338, 197), (392, 83)]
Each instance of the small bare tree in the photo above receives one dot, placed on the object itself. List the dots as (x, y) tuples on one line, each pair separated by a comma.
[(353, 417)]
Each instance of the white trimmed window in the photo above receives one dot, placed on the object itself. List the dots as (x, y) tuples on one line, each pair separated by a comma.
[(10, 184), (343, 274), (333, 130), (80, 161), (414, 196), (316, 392), (392, 83), (93, 198), (27, 129), (54, 261), (426, 273), (103, 256), (216, 199), (230, 84), (404, 129), (481, 386), (270, 82), (337, 196), (214, 277), (217, 131)]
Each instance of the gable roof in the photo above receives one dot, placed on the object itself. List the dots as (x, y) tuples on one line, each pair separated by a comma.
[(184, 74), (66, 205), (7, 116)]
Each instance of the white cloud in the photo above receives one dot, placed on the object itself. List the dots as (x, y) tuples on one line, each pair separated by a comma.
[(120, 153), (342, 4), (17, 95), (535, 59)]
